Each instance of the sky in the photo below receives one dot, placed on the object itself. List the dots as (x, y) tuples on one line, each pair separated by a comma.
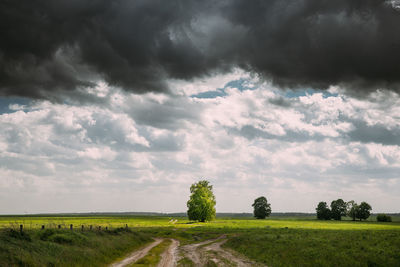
[(122, 105)]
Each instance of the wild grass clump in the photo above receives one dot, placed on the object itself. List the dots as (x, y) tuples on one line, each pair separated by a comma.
[(154, 256)]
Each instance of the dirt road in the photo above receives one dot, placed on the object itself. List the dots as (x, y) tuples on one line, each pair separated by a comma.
[(169, 256), (199, 253)]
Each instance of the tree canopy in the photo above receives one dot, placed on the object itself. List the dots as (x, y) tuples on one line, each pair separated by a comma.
[(323, 212), (262, 208), (341, 208), (201, 204), (364, 210), (338, 209), (352, 209)]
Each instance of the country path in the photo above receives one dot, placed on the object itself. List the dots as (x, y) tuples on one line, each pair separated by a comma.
[(138, 254), (169, 256), (211, 250)]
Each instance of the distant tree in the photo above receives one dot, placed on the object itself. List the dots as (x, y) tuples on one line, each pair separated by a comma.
[(338, 209), (383, 218), (364, 210), (352, 209), (201, 204), (262, 208), (323, 212)]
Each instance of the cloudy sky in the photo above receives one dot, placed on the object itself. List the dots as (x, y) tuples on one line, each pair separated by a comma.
[(121, 105)]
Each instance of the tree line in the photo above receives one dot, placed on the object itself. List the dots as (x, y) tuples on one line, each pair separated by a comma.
[(201, 204), (339, 208)]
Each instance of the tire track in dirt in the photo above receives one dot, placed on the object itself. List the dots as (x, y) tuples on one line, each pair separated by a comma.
[(228, 255), (138, 254), (192, 252), (169, 256), (211, 250)]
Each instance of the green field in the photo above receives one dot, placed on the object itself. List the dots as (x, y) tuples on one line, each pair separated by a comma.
[(36, 222), (277, 241)]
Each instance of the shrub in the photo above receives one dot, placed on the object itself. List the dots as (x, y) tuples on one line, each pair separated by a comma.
[(383, 218), (19, 235), (44, 235)]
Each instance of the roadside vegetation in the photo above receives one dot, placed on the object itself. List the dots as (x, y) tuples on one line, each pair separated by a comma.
[(53, 247), (154, 255)]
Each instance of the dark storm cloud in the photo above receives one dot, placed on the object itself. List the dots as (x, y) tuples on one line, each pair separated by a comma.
[(49, 46), (374, 134)]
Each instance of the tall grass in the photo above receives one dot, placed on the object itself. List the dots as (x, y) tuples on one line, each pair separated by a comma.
[(67, 248), (304, 247)]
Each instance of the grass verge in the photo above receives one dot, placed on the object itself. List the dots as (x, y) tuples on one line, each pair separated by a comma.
[(67, 248), (154, 256)]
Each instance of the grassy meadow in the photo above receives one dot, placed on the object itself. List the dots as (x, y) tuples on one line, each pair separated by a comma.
[(276, 241)]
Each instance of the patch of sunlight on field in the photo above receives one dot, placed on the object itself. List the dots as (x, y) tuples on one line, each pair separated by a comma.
[(104, 221), (304, 224), (35, 222)]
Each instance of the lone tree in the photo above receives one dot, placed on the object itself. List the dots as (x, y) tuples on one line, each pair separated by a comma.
[(201, 205), (262, 208), (364, 210), (323, 212), (338, 209)]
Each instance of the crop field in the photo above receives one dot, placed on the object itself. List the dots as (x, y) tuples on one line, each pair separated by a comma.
[(276, 241)]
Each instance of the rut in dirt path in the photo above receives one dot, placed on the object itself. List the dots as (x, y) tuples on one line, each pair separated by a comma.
[(192, 252), (228, 255), (211, 250), (138, 254), (169, 256)]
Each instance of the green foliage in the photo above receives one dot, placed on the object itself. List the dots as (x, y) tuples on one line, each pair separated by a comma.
[(262, 208), (352, 209), (383, 218), (201, 205), (18, 235), (363, 211), (323, 212), (338, 209)]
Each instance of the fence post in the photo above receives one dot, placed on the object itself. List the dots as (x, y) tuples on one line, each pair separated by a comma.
[(21, 228), (126, 226), (59, 226), (83, 227), (42, 227), (71, 227), (90, 227), (106, 228), (99, 228)]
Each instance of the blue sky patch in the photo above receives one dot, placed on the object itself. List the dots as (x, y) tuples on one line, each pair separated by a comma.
[(5, 103), (240, 84)]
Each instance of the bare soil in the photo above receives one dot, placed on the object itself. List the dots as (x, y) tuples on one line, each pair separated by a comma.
[(169, 256), (211, 250)]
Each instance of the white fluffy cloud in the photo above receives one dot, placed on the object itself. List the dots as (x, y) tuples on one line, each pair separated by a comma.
[(142, 152)]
